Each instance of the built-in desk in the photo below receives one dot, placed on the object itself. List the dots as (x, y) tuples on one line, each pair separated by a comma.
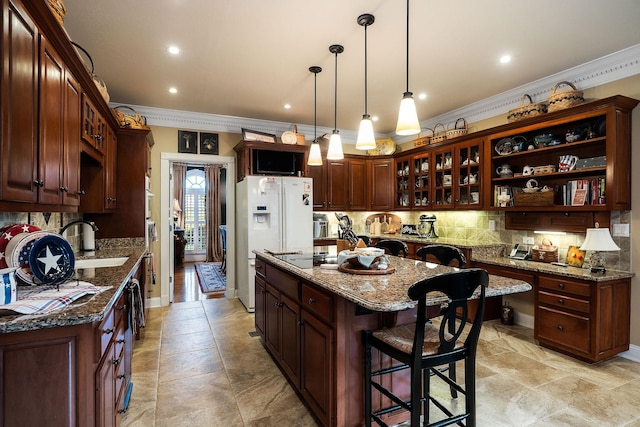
[(311, 322)]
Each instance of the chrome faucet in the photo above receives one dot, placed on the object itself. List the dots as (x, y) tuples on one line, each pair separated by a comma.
[(80, 221)]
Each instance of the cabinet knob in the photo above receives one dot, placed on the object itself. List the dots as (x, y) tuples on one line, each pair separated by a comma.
[(108, 331), (121, 376), (123, 307), (312, 301), (561, 285), (116, 361), (64, 189), (300, 323), (122, 411), (38, 183), (120, 341), (560, 301), (561, 328), (82, 192)]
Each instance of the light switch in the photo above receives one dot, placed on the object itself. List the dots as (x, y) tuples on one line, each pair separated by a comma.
[(620, 230)]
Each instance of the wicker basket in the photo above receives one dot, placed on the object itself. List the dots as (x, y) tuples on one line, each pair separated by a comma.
[(456, 131), (130, 119), (100, 84), (544, 253), (562, 100), (525, 111), (423, 140), (58, 9), (439, 136), (540, 198)]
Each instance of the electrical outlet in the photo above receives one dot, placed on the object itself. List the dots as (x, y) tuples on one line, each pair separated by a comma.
[(527, 240), (492, 225)]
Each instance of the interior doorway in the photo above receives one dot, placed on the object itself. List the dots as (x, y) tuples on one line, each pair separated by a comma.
[(166, 221)]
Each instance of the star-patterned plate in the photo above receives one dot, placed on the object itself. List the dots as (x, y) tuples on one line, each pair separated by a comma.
[(9, 234), (17, 253), (51, 260)]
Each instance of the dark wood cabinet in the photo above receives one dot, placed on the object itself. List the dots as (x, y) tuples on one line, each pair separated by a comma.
[(357, 185), (319, 176), (247, 153), (110, 171), (71, 119), (338, 184), (379, 188)]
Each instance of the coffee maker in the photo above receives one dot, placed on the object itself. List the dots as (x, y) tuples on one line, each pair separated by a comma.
[(320, 226)]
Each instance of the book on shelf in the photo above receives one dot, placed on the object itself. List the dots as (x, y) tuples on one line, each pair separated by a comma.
[(579, 192)]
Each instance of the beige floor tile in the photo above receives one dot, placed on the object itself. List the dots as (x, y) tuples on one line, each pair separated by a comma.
[(193, 341), (265, 396), (227, 416), (522, 369), (190, 364), (184, 314), (185, 327)]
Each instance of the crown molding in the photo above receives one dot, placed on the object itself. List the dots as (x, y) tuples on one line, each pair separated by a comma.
[(609, 68)]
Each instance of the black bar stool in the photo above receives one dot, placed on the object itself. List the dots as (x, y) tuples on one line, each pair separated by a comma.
[(444, 254), (394, 247), (422, 347)]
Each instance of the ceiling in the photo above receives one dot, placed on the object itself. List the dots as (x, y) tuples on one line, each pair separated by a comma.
[(247, 58)]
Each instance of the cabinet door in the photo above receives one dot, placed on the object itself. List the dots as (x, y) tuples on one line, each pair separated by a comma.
[(421, 181), (93, 126), (403, 185), (468, 174), (71, 165), (52, 109), (105, 390), (272, 322), (358, 188), (318, 174), (337, 180), (19, 104), (318, 382), (443, 179), (380, 189), (261, 296), (111, 158), (290, 338)]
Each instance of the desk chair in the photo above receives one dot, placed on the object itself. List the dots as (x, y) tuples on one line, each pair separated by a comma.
[(394, 247), (223, 238), (422, 347)]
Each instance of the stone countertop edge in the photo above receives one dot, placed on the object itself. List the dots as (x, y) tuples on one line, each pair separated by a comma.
[(543, 267), (460, 243), (90, 308), (386, 292)]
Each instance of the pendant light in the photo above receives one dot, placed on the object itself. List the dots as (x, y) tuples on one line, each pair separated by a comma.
[(408, 123), (315, 159), (335, 143), (366, 139)]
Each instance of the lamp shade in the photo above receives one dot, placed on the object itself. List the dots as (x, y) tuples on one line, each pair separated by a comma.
[(335, 147), (315, 159), (598, 239), (408, 123), (176, 206), (366, 139)]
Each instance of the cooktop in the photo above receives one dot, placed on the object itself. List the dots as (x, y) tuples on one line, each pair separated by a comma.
[(308, 260)]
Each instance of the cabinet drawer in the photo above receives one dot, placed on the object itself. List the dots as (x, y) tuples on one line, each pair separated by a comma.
[(564, 285), (317, 302), (563, 301), (105, 332), (261, 268), (120, 309), (565, 329), (283, 282), (119, 374)]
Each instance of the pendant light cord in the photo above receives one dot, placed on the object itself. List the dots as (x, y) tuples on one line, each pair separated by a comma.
[(365, 70), (315, 107), (335, 95), (407, 46)]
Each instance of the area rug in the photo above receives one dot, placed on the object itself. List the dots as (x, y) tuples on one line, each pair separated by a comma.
[(211, 278)]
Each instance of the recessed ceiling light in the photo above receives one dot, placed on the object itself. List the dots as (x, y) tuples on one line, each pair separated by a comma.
[(174, 50), (287, 106), (173, 90), (422, 96), (505, 59)]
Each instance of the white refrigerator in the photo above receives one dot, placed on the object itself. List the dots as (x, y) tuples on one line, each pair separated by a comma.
[(273, 213)]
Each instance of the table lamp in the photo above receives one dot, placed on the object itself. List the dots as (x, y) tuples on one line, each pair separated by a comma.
[(176, 210), (598, 240)]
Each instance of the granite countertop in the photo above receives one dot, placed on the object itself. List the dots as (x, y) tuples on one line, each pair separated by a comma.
[(459, 243), (90, 308), (544, 267), (386, 292)]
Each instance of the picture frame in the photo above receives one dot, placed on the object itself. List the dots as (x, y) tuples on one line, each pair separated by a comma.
[(209, 143), (254, 135), (187, 142)]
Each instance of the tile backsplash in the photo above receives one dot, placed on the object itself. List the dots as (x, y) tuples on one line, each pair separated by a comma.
[(474, 226), (47, 222)]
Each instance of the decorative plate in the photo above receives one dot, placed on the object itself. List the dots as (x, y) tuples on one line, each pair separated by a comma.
[(9, 234), (18, 251), (51, 260), (384, 147), (289, 138)]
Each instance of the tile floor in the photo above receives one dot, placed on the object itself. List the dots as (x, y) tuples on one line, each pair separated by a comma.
[(198, 366)]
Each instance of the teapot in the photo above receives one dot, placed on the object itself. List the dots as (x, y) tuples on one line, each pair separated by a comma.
[(504, 170), (528, 170)]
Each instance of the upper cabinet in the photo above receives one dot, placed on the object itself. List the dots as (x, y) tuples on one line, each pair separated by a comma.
[(44, 88)]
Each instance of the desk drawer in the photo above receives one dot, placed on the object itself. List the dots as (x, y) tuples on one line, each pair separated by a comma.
[(563, 301), (564, 285), (566, 330), (317, 302)]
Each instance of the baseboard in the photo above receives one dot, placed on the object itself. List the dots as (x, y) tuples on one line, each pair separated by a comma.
[(632, 354), (155, 302)]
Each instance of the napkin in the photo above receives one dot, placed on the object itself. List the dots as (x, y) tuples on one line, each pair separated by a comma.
[(365, 260)]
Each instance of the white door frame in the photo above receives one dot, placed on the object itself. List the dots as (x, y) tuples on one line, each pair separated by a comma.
[(166, 220)]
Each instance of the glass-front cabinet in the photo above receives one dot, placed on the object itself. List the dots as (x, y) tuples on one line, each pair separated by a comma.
[(421, 181), (404, 184), (443, 178), (468, 192)]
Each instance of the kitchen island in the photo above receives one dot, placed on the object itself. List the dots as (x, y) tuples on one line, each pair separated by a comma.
[(311, 320), (72, 367)]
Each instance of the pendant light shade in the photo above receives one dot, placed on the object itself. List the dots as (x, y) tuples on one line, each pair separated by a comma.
[(408, 123), (315, 158), (335, 143), (366, 139)]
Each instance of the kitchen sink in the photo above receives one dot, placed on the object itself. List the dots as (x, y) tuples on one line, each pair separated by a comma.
[(100, 262)]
